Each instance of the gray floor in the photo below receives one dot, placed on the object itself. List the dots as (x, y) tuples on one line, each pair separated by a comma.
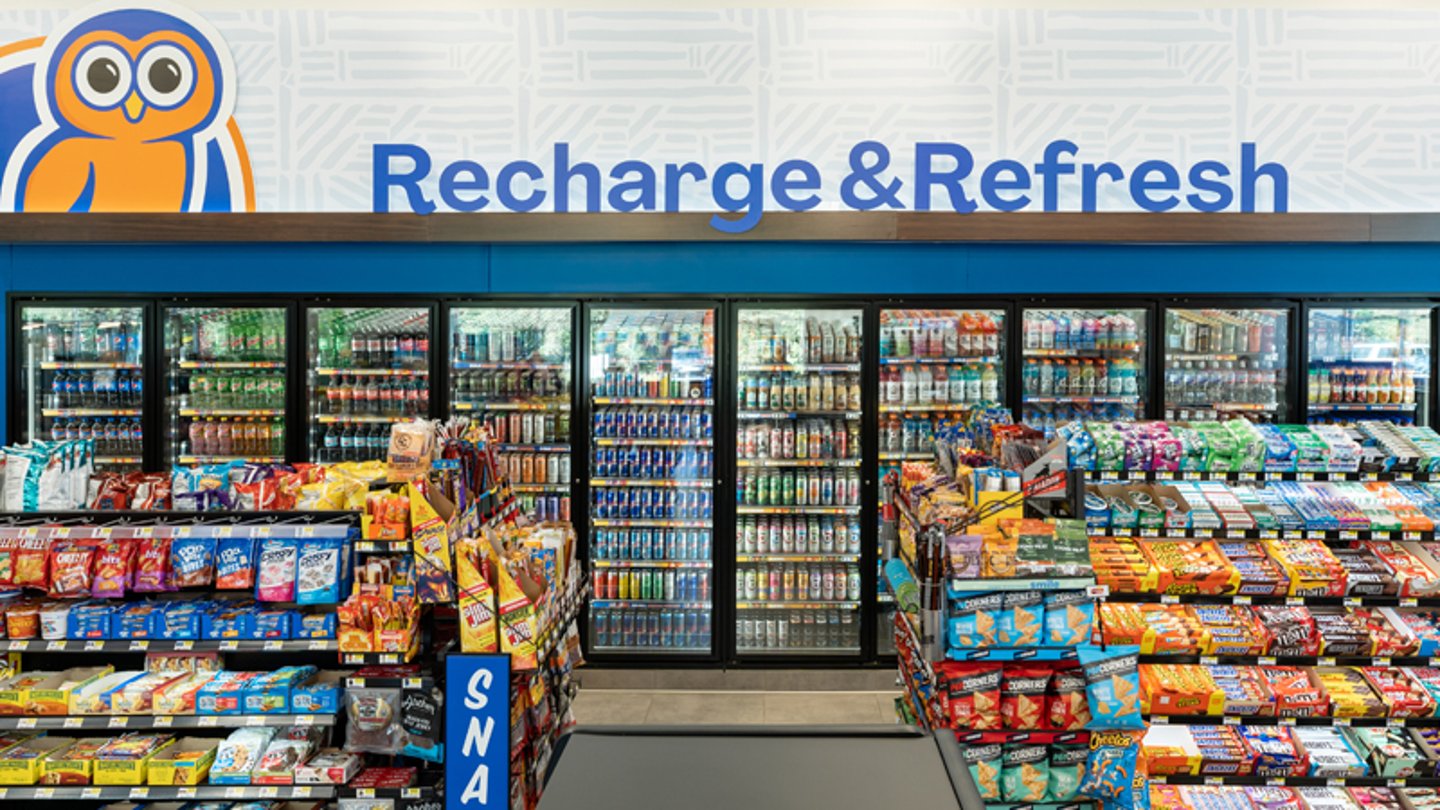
[(676, 707)]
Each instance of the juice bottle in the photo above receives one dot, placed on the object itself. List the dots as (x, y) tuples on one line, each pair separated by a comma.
[(1047, 330), (907, 387), (972, 384), (950, 340), (991, 331), (965, 341), (940, 385), (199, 444), (923, 386), (903, 343), (1045, 379)]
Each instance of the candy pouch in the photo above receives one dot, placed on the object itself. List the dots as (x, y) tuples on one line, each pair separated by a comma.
[(235, 563), (1112, 685), (317, 571), (152, 565), (113, 563), (192, 560), (276, 581), (71, 570), (1069, 618)]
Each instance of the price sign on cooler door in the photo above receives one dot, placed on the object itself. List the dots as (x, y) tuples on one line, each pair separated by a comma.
[(477, 732)]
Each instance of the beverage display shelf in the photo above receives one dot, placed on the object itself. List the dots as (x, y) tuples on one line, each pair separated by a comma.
[(635, 442), (1290, 475), (225, 459), (799, 367), (1097, 352), (541, 487), (89, 411), (367, 418), (601, 604), (651, 563), (170, 645), (941, 361), (953, 407), (509, 406), (533, 447), (506, 365), (86, 365), (118, 460), (695, 402), (232, 411), (656, 523), (1102, 400), (1345, 535), (1226, 406), (797, 462), (1252, 720), (1013, 654), (802, 651), (1335, 359), (190, 365), (798, 414), (1230, 356), (134, 721), (1293, 601), (887, 455), (667, 483), (839, 604), (373, 372), (797, 510), (1326, 407), (167, 793), (1290, 660), (782, 557)]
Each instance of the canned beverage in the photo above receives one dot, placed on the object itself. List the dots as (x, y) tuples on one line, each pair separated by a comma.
[(852, 590), (706, 505), (602, 628), (653, 628), (826, 490), (703, 634), (776, 485), (777, 592), (841, 586), (667, 629), (827, 585), (747, 632), (689, 547), (787, 583), (642, 543), (707, 426), (802, 535), (747, 536), (782, 634), (707, 461), (701, 586), (702, 545), (622, 589), (827, 538), (749, 589), (762, 536), (772, 632), (657, 544), (670, 586), (787, 535), (762, 583), (815, 583)]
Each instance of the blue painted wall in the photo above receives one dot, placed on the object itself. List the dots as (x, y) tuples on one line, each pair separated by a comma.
[(721, 268)]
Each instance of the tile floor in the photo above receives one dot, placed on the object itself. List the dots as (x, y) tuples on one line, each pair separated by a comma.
[(676, 707)]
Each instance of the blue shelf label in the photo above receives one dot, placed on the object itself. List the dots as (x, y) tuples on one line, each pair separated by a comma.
[(477, 732)]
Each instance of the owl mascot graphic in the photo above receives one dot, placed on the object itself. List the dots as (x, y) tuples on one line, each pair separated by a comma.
[(126, 107)]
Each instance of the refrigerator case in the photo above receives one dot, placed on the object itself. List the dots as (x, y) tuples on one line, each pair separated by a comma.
[(798, 450), (510, 369), (225, 383), (1226, 364), (1369, 363), (369, 367), (82, 377), (1082, 364), (652, 469)]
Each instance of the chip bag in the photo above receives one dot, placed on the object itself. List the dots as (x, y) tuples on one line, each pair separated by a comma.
[(1025, 773), (1069, 618), (984, 761), (1067, 768), (975, 620), (71, 570), (1021, 619), (1022, 697), (152, 565), (114, 567), (974, 695), (1112, 686), (1069, 706), (1114, 770)]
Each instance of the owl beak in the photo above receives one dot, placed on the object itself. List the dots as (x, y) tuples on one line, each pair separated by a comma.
[(134, 108)]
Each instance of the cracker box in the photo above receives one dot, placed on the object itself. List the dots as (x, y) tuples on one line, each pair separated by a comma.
[(21, 764), (187, 762)]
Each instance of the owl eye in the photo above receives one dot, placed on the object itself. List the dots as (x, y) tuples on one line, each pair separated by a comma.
[(102, 76), (166, 76)]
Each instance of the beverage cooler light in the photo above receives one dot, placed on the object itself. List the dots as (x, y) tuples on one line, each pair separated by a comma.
[(82, 377), (797, 487), (1369, 364), (369, 368), (652, 469), (1082, 364)]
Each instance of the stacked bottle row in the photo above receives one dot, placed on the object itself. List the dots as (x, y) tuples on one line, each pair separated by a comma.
[(1087, 377), (798, 630), (93, 336), (1048, 417), (363, 395), (1225, 332), (1081, 330), (230, 390), (650, 463), (802, 487), (692, 545), (371, 339), (651, 503), (1379, 385), (653, 628), (939, 334), (504, 386), (650, 385), (968, 385), (545, 507), (1201, 383), (797, 582), (225, 335), (96, 389), (799, 392), (823, 439), (652, 584), (535, 468), (649, 336), (680, 422), (353, 441), (798, 535), (496, 344), (113, 436), (238, 437), (913, 434), (529, 427), (826, 340)]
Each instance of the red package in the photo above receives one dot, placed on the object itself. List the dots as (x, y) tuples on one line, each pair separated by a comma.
[(112, 493), (152, 565), (114, 568), (32, 556), (71, 570), (1069, 708), (974, 691), (1022, 697), (149, 491), (260, 496), (1296, 694)]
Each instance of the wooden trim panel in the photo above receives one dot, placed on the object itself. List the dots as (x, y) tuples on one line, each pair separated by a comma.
[(822, 226)]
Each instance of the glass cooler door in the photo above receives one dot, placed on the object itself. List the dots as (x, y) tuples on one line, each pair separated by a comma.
[(652, 480), (1369, 364), (81, 376), (369, 368), (798, 450), (1226, 363), (1082, 364), (510, 369), (225, 384)]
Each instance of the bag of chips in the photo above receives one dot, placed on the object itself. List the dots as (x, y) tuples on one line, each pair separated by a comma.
[(1069, 618), (32, 569), (984, 761), (71, 569), (1112, 686), (974, 695), (1114, 770), (1021, 619), (114, 568), (1069, 707), (1067, 767), (152, 565), (975, 620), (1022, 697), (1025, 773)]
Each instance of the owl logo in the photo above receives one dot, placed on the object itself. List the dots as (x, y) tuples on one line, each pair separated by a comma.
[(126, 107)]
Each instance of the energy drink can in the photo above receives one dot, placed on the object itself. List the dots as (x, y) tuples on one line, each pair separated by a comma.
[(703, 635), (703, 541), (667, 628), (653, 628), (707, 426), (670, 585), (827, 489)]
